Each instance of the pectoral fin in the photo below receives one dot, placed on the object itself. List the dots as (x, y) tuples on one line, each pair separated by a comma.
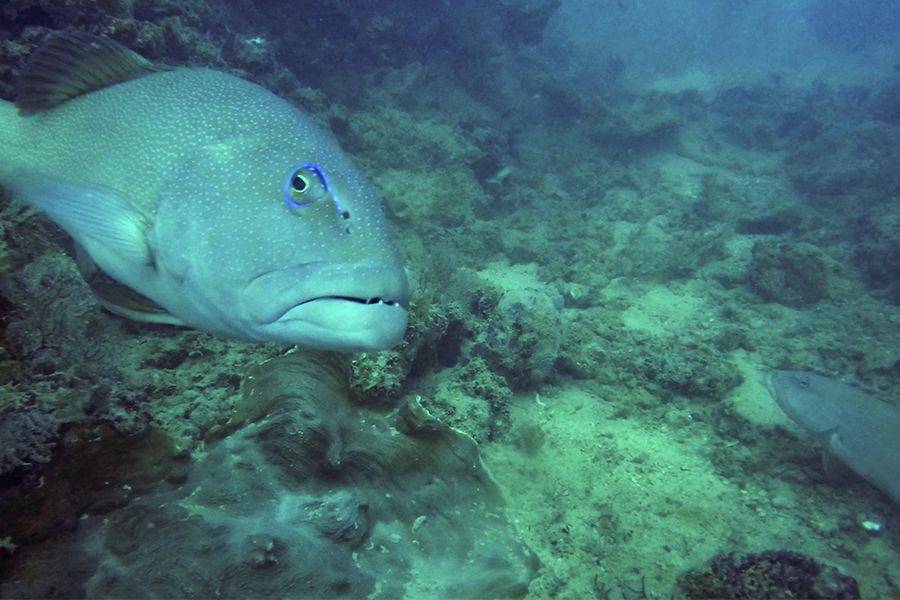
[(118, 298), (832, 460), (97, 217)]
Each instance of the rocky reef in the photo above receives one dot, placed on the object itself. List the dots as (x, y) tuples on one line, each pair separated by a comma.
[(600, 274)]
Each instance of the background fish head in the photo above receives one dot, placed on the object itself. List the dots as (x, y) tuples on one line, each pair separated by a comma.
[(807, 398), (265, 248)]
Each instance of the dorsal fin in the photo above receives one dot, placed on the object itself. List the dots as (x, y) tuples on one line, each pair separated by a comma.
[(72, 63)]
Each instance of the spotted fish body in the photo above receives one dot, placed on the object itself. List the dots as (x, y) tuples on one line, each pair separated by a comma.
[(176, 184)]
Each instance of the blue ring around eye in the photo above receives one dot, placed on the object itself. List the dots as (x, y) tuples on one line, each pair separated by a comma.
[(288, 197)]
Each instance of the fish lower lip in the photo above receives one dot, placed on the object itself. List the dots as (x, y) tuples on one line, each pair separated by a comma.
[(355, 300), (363, 301)]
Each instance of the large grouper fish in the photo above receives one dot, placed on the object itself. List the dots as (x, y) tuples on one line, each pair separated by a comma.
[(197, 198)]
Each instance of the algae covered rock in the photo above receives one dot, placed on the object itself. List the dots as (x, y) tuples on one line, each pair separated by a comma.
[(771, 222), (522, 339), (794, 275), (303, 494), (852, 169), (28, 435), (689, 369), (769, 574)]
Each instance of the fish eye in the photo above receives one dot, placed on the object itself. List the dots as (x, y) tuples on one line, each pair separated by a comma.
[(803, 382), (305, 185), (299, 184)]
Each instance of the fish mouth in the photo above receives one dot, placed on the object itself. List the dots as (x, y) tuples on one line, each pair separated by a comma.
[(331, 305), (357, 300), (343, 323), (366, 301)]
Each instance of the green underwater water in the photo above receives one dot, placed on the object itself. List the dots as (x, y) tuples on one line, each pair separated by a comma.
[(604, 266)]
